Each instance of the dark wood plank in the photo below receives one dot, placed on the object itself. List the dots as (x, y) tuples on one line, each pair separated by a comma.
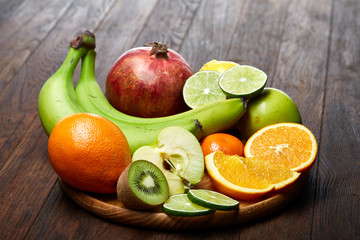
[(21, 36), (7, 8), (257, 39), (26, 180), (170, 23), (211, 32), (337, 207), (19, 97)]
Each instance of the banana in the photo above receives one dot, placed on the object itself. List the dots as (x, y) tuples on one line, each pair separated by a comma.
[(57, 97), (202, 121)]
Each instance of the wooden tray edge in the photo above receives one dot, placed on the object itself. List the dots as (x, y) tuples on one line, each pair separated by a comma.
[(162, 221)]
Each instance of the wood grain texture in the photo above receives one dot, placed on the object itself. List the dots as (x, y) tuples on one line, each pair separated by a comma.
[(211, 35), (28, 177), (19, 97), (21, 36), (108, 207), (169, 27), (338, 189), (309, 49)]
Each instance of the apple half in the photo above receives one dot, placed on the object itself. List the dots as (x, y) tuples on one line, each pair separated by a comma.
[(178, 154)]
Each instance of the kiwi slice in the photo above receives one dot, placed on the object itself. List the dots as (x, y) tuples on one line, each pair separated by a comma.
[(142, 185)]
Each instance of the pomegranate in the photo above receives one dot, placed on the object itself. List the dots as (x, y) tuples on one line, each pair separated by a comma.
[(148, 81)]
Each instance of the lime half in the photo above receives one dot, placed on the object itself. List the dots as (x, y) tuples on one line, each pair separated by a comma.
[(219, 66), (180, 205), (203, 88), (212, 199), (243, 81)]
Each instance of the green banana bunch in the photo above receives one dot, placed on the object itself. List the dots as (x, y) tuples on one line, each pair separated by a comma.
[(205, 120), (57, 97)]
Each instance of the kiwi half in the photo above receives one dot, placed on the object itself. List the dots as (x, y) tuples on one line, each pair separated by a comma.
[(142, 186)]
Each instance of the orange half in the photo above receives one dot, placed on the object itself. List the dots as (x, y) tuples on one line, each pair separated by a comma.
[(246, 178), (290, 144)]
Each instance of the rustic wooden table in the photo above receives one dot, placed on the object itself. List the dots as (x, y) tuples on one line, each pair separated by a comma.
[(309, 49)]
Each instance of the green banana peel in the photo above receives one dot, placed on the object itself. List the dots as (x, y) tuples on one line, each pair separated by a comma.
[(57, 97)]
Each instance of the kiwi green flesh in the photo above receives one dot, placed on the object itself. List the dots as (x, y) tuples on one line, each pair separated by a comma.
[(142, 186)]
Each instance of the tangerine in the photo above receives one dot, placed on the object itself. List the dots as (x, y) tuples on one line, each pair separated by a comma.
[(290, 144), (88, 152), (223, 142)]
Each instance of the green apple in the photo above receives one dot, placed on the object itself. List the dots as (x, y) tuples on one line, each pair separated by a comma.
[(270, 107), (178, 154)]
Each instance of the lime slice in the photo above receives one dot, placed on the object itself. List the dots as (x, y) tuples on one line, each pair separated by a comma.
[(219, 66), (203, 88), (180, 205), (243, 81), (213, 200)]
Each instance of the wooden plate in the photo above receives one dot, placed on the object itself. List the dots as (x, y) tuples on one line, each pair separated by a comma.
[(107, 206)]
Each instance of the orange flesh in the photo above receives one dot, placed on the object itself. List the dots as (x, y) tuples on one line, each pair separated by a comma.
[(233, 170), (271, 172), (290, 147), (256, 173)]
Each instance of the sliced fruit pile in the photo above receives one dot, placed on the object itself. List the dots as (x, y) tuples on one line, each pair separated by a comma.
[(275, 156), (153, 162), (218, 80)]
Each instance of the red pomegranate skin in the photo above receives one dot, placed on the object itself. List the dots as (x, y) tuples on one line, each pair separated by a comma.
[(144, 85)]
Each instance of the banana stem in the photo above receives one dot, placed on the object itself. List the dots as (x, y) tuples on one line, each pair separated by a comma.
[(88, 65), (85, 39), (79, 46)]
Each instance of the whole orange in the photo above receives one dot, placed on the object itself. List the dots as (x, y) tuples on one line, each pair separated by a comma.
[(224, 142), (88, 152)]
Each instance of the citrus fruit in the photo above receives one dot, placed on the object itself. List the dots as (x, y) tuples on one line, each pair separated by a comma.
[(223, 142), (246, 178), (180, 205), (271, 106), (202, 88), (219, 66), (290, 144), (211, 199), (88, 152), (243, 81)]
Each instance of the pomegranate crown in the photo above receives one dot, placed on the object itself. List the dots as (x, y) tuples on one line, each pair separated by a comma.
[(157, 47)]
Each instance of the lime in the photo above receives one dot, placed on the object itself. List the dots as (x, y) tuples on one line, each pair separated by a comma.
[(243, 81), (203, 88), (211, 199), (219, 66), (180, 205)]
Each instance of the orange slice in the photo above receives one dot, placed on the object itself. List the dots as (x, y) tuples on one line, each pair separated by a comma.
[(246, 178), (290, 144)]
